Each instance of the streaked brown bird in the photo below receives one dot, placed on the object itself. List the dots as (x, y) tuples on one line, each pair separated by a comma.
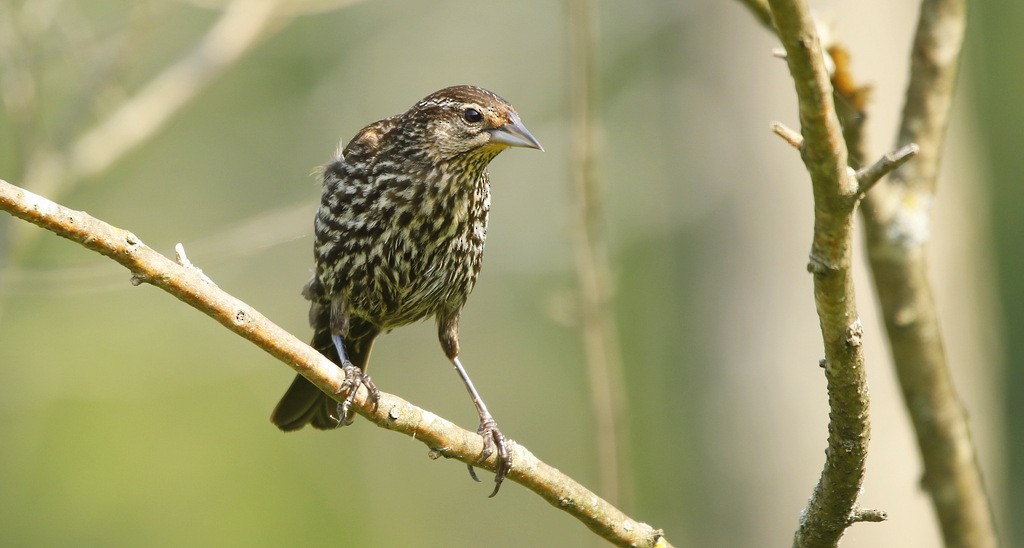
[(399, 237)]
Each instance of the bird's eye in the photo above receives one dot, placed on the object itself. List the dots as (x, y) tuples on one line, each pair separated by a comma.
[(472, 115)]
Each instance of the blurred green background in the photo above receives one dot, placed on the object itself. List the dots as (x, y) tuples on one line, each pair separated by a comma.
[(129, 419)]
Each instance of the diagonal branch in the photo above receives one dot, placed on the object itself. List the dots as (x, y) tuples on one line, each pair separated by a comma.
[(868, 176), (188, 284), (833, 505), (243, 24)]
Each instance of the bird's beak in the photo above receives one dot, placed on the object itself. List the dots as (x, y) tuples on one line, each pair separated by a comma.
[(515, 134)]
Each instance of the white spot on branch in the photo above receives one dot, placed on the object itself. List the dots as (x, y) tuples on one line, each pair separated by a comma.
[(182, 259)]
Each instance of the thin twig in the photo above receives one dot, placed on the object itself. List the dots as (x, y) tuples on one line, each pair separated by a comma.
[(834, 184), (867, 515), (181, 258), (596, 318), (787, 134), (868, 176), (443, 437)]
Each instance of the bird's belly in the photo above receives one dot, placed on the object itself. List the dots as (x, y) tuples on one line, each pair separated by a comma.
[(411, 283)]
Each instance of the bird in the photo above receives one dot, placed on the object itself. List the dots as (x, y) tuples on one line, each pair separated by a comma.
[(398, 238)]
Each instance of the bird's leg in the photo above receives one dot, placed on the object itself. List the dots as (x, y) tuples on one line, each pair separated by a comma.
[(489, 431), (354, 378)]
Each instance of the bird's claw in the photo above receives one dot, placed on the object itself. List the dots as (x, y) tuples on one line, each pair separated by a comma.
[(493, 438), (354, 378)]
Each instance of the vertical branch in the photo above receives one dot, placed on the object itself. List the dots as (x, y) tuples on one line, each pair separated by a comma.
[(897, 216), (596, 319), (833, 504)]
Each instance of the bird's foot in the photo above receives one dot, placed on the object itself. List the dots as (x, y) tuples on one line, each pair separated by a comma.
[(493, 438), (354, 378)]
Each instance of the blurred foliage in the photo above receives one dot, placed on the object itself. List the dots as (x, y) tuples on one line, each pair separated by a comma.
[(993, 71), (128, 419)]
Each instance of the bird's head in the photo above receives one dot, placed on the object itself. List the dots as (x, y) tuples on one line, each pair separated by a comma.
[(467, 120)]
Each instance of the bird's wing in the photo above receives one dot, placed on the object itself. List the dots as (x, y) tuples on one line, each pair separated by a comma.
[(367, 142)]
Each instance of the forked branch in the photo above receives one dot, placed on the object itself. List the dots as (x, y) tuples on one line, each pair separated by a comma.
[(833, 504)]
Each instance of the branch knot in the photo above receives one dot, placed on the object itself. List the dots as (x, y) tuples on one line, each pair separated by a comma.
[(855, 333), (818, 265)]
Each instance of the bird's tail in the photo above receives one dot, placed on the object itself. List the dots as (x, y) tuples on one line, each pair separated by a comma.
[(303, 403)]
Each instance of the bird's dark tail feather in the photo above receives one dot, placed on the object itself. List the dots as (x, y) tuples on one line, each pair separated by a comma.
[(303, 403)]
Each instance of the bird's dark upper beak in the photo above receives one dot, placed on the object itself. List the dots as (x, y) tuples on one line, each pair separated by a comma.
[(515, 134)]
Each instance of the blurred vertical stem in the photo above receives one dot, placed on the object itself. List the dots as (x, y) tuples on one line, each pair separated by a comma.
[(595, 319), (897, 216)]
